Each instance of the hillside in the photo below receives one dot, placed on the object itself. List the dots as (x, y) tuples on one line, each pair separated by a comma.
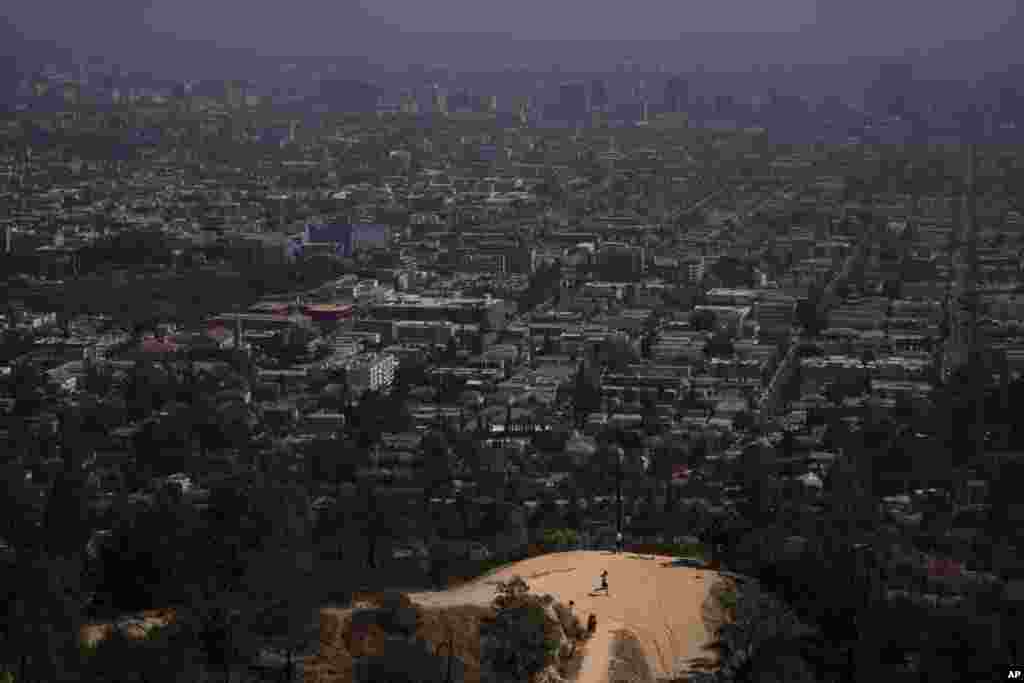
[(661, 604)]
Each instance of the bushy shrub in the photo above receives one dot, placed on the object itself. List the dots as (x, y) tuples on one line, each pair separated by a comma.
[(691, 550), (511, 593), (560, 538), (397, 614), (521, 640), (535, 550), (728, 599), (570, 622)]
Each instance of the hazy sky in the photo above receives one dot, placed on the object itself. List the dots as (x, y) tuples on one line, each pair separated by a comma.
[(583, 19), (376, 27), (316, 24)]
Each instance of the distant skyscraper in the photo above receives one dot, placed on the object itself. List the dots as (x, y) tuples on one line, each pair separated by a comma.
[(677, 94), (440, 101), (461, 101), (408, 103), (723, 105), (349, 95), (490, 104), (71, 92), (233, 94), (598, 94), (523, 110), (886, 96), (572, 100)]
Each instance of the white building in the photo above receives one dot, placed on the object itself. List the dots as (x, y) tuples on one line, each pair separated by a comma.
[(371, 371)]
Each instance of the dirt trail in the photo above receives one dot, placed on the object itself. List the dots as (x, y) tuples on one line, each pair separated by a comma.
[(598, 656), (660, 603)]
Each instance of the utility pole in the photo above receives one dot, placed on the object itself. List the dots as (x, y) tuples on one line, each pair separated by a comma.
[(618, 488)]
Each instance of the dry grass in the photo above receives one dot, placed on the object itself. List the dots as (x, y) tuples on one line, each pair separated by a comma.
[(340, 643), (569, 668), (91, 635), (665, 660), (715, 611), (628, 661)]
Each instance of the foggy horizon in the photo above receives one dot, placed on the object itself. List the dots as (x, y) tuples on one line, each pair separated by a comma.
[(720, 36)]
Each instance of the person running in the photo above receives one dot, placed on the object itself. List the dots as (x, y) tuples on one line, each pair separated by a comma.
[(604, 582)]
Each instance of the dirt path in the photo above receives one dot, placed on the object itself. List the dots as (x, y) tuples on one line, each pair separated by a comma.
[(660, 603), (598, 658)]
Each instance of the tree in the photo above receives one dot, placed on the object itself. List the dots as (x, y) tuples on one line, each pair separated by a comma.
[(369, 520), (438, 464), (703, 320), (451, 351), (217, 615), (744, 421), (732, 272), (720, 346), (168, 654), (809, 317), (521, 639), (586, 392), (752, 630), (153, 554), (282, 599), (42, 615), (667, 455), (42, 575)]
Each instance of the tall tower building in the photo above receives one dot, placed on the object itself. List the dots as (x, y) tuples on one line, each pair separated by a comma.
[(964, 329), (408, 103), (233, 94), (886, 96), (523, 111), (461, 101), (598, 94), (677, 94), (439, 100), (572, 100)]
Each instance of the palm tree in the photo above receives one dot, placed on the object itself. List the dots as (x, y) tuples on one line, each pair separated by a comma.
[(437, 464)]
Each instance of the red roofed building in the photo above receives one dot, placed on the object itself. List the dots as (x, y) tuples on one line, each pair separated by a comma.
[(944, 567), (155, 345), (220, 334), (328, 312)]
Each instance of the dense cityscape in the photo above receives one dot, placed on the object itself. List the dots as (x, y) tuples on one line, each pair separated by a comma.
[(278, 350)]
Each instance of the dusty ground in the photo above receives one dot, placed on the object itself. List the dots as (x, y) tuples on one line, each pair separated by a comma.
[(91, 634), (661, 604)]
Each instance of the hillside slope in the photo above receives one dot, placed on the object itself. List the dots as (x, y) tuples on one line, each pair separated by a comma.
[(660, 603)]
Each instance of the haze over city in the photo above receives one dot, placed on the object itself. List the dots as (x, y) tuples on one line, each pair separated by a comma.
[(511, 342), (733, 34)]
